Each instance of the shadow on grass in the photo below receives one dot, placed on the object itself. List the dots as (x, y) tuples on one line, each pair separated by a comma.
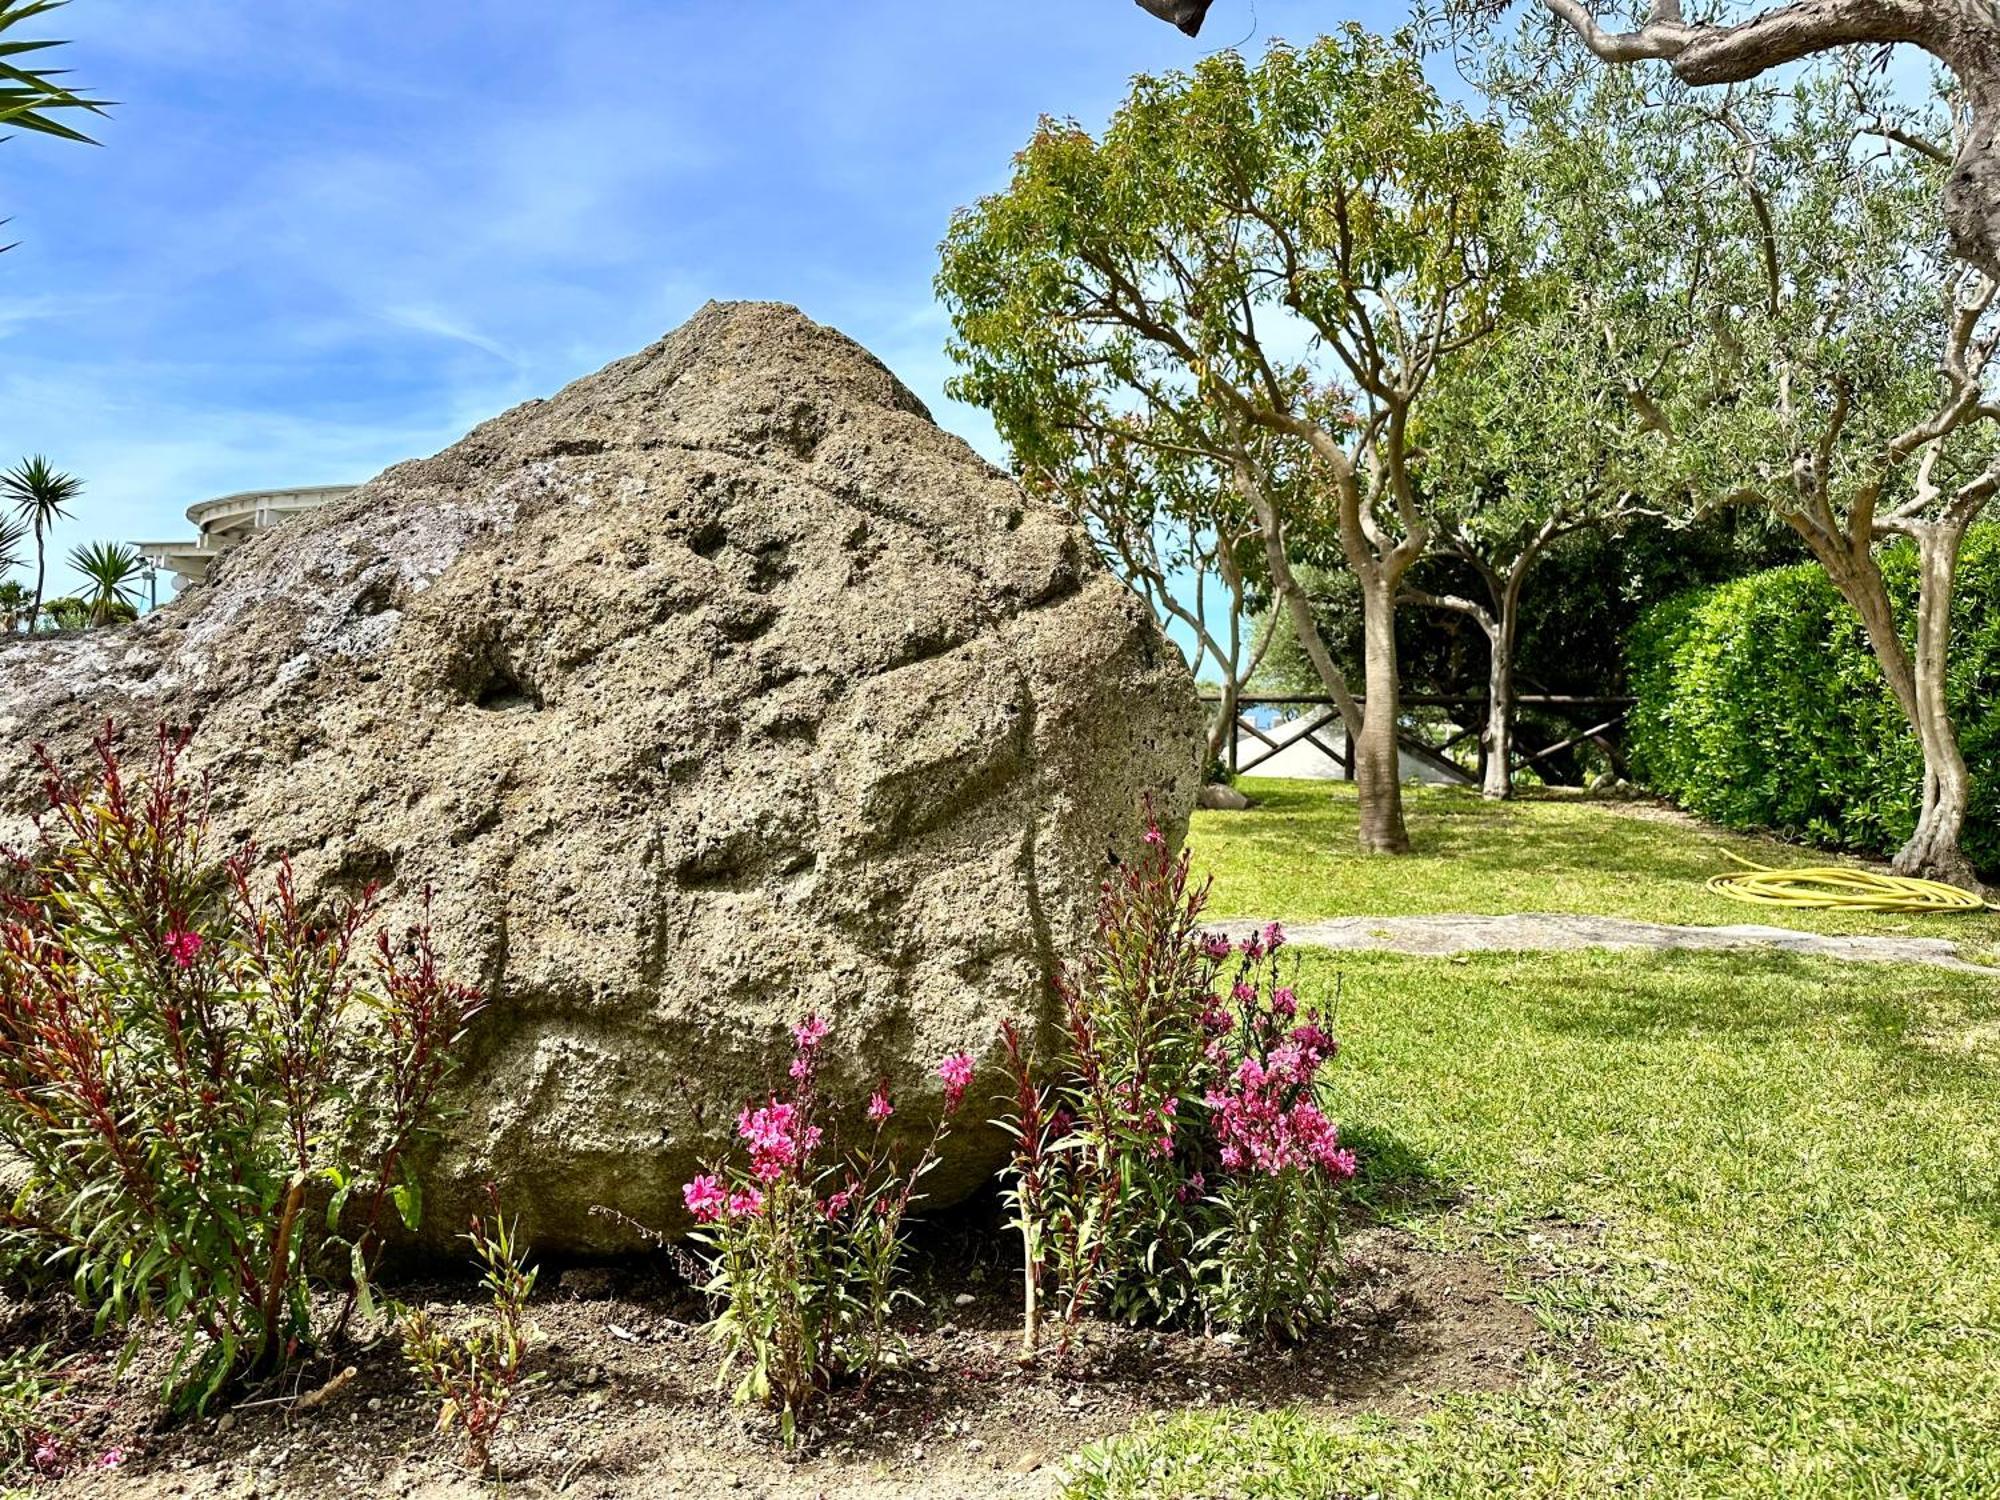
[(1395, 1178)]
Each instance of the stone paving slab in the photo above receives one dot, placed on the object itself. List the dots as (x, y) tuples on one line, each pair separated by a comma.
[(1545, 932)]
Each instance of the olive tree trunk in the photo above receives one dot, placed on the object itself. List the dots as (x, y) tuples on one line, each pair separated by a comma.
[(1917, 682)]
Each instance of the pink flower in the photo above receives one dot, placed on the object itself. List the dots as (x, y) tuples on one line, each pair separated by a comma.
[(744, 1201), (182, 947), (1216, 946), (810, 1032), (775, 1140), (879, 1107), (836, 1203), (1274, 937), (956, 1071), (1156, 838), (48, 1455), (113, 1457), (1285, 1001), (704, 1198)]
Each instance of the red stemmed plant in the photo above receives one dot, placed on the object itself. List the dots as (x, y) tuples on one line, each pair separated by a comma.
[(805, 1239), (1174, 1162), (187, 1063)]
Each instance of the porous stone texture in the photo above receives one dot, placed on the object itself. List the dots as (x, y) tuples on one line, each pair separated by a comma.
[(720, 687)]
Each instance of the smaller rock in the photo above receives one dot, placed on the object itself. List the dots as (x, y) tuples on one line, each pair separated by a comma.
[(1219, 797), (963, 1299)]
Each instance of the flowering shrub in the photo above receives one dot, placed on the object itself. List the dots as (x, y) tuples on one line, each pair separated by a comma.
[(1178, 1166), (805, 1240), (177, 1070), (475, 1374)]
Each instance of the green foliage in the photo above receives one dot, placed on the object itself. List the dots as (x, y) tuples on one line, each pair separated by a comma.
[(28, 1389), (30, 98), (185, 1071), (1118, 284), (475, 1373), (1176, 1165), (112, 570), (1760, 705), (805, 1240)]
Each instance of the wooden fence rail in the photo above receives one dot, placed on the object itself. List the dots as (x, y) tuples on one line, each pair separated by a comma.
[(1602, 721)]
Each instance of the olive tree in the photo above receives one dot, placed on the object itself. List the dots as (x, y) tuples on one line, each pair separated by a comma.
[(1529, 436), (1262, 268), (1813, 347), (1729, 41)]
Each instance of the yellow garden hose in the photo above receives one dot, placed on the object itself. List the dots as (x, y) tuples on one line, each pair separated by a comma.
[(1837, 888)]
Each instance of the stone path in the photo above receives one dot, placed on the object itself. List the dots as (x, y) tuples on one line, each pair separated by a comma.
[(1540, 932)]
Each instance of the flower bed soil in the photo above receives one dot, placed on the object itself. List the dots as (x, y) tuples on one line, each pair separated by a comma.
[(629, 1408)]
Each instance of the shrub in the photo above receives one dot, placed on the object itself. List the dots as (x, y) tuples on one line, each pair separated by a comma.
[(1179, 1166), (806, 1241), (179, 1073), (1761, 707), (475, 1374)]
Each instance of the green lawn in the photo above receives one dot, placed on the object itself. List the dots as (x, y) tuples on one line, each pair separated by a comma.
[(1293, 855), (1793, 1171)]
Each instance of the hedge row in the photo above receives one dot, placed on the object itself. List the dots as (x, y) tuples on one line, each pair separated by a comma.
[(1760, 706)]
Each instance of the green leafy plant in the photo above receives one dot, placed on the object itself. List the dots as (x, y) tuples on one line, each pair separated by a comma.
[(186, 1059), (30, 98), (1761, 706), (39, 494), (28, 1424), (1178, 1166), (806, 1241), (113, 571), (476, 1373)]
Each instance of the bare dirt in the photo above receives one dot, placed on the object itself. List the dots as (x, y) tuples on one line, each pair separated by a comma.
[(628, 1405)]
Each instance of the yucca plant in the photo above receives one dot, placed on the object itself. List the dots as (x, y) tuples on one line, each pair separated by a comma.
[(113, 571), (38, 493), (31, 99)]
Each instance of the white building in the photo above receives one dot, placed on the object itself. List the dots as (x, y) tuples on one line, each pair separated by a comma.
[(228, 519)]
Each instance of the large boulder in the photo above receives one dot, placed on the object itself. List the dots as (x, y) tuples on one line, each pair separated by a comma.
[(722, 686)]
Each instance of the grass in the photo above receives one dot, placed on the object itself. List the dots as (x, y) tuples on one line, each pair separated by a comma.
[(1293, 856), (1793, 1170)]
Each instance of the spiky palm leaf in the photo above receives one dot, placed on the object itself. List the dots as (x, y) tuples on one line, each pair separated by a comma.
[(38, 491), (113, 571), (30, 97)]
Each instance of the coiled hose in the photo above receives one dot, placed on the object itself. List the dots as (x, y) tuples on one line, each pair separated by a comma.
[(1836, 888)]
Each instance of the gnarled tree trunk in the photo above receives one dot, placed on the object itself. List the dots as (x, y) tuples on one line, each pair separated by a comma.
[(1917, 683)]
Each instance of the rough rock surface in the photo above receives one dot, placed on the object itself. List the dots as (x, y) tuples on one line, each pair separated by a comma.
[(720, 686)]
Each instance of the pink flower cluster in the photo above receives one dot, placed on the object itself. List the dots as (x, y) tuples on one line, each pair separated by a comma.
[(1266, 1119), (182, 947), (707, 1201), (956, 1071), (776, 1139)]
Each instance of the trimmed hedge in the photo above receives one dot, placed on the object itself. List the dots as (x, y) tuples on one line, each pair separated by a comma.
[(1760, 706)]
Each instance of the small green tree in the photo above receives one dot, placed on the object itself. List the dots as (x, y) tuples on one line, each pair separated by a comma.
[(39, 494), (1260, 269), (1529, 436), (112, 570)]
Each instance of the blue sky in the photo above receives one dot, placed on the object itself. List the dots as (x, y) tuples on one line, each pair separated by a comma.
[(321, 236)]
